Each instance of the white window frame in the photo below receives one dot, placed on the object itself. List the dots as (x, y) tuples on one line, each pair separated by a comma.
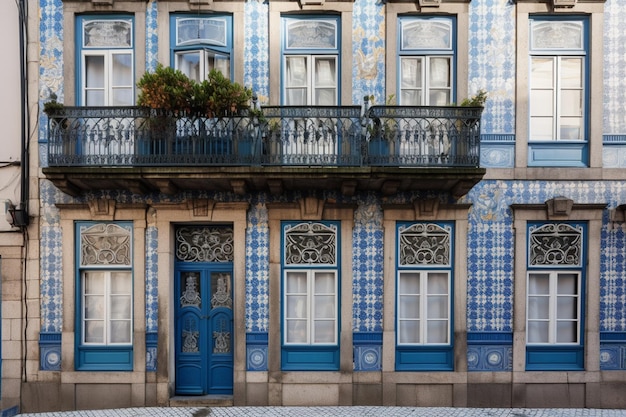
[(554, 311), (423, 312), (205, 56), (108, 87), (107, 306), (308, 313), (557, 54), (425, 87), (312, 85)]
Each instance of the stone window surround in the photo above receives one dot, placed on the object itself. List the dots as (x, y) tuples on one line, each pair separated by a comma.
[(558, 209)]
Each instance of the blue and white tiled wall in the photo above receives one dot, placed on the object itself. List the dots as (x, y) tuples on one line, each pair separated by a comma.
[(490, 238)]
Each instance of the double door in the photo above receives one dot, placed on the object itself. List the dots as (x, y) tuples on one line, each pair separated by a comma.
[(203, 329)]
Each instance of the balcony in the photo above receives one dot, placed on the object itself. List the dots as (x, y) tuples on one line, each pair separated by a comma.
[(387, 149)]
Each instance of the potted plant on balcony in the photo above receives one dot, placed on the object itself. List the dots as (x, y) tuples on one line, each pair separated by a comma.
[(382, 133)]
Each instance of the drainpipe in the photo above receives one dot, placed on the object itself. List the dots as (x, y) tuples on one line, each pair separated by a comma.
[(24, 120)]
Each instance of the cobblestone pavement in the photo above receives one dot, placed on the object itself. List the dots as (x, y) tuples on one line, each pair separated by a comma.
[(334, 412)]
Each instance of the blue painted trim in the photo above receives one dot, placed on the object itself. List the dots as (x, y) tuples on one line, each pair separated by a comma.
[(257, 338), (614, 139), (152, 339), (612, 337), (367, 338), (489, 338), (50, 351), (104, 358), (558, 154), (425, 358), (10, 412), (555, 358), (497, 137), (310, 358)]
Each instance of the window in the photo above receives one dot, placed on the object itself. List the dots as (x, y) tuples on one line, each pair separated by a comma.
[(106, 73), (310, 61), (427, 58), (554, 296), (105, 298), (201, 44), (557, 96), (310, 296), (424, 297)]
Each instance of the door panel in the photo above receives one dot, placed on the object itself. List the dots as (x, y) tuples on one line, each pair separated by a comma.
[(204, 327)]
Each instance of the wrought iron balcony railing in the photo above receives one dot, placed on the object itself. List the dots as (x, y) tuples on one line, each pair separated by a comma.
[(275, 135)]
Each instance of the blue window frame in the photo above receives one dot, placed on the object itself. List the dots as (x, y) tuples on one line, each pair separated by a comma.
[(424, 297), (104, 296), (555, 296), (310, 295), (200, 43), (426, 60), (311, 48), (105, 74), (558, 91)]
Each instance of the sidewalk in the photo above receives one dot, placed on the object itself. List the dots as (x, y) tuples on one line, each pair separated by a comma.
[(363, 411)]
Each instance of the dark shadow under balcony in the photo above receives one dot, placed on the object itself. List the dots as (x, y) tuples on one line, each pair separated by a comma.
[(387, 149)]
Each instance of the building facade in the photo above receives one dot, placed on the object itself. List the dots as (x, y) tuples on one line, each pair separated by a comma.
[(361, 240)]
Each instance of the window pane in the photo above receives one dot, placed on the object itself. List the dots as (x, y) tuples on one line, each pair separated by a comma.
[(409, 283), (538, 307), (439, 97), (411, 76), (297, 306), (325, 306), (539, 284), (220, 63), (296, 72), (567, 308), (541, 103), (324, 97), (438, 307), (120, 307), (571, 73), (94, 71), (324, 283), (122, 70), (120, 331), (94, 307), (567, 284), (566, 332), (409, 307), (94, 331), (437, 331), (325, 72), (570, 129), (409, 331), (437, 283), (412, 97), (541, 128), (324, 332), (296, 283), (538, 332), (542, 73), (296, 331), (120, 283), (189, 64), (296, 96), (94, 283), (572, 103), (439, 72)]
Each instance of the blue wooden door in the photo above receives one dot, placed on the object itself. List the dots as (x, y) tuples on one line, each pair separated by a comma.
[(204, 330)]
